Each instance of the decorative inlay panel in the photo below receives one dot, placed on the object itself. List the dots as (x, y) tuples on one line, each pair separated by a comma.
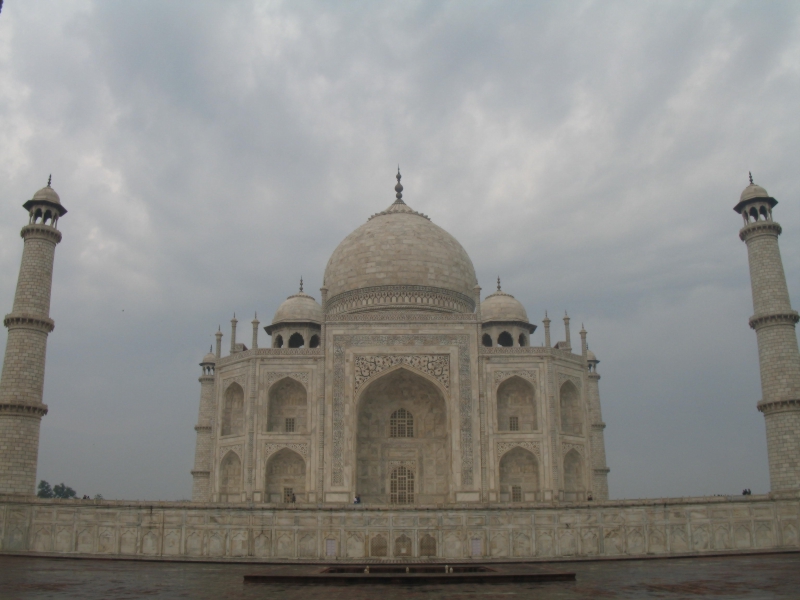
[(501, 375), (565, 447), (562, 377), (416, 297), (408, 464), (435, 365), (223, 450), (340, 345), (300, 448), (301, 376), (401, 316), (240, 379), (534, 447)]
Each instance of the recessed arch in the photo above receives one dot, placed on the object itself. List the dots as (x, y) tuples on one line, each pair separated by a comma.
[(516, 405), (296, 340), (505, 340), (519, 475), (570, 409), (278, 342), (486, 340), (426, 455), (285, 475), (233, 410), (287, 406), (573, 476), (314, 341), (523, 340), (230, 477)]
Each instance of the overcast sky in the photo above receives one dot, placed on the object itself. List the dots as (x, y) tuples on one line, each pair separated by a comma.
[(589, 153)]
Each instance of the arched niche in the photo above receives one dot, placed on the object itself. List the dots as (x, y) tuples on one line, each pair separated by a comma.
[(425, 454), (573, 476), (505, 339), (519, 476), (233, 410), (570, 409), (287, 407), (516, 405), (285, 475), (230, 478), (296, 340)]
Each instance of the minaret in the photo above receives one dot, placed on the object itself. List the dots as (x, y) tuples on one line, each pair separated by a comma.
[(596, 432), (774, 323), (567, 342), (29, 323), (255, 323), (201, 492), (546, 322)]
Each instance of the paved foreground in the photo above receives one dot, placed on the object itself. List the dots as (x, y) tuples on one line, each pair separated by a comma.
[(740, 577)]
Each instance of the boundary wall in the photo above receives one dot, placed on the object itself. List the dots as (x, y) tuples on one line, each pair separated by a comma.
[(226, 532)]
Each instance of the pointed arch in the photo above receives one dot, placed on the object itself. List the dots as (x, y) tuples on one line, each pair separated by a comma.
[(505, 339), (287, 406), (426, 455), (285, 476), (403, 366), (516, 405), (519, 476), (296, 340), (233, 410), (230, 477), (571, 411)]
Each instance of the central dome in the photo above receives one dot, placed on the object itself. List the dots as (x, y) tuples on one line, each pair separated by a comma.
[(399, 259)]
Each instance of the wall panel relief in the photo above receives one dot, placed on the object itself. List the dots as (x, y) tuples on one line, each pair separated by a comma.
[(435, 365)]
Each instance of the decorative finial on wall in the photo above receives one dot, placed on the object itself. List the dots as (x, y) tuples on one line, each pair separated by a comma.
[(399, 188), (751, 177), (49, 179)]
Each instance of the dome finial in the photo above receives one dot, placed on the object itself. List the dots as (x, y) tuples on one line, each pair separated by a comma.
[(750, 173), (301, 284), (49, 179), (498, 283), (399, 188)]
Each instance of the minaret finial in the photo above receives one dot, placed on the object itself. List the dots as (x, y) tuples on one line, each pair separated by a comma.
[(49, 179), (498, 283), (301, 284), (210, 348), (398, 188), (750, 173)]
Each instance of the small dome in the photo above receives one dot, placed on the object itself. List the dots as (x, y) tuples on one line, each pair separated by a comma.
[(590, 356), (209, 358), (753, 191), (47, 194), (502, 307), (300, 308)]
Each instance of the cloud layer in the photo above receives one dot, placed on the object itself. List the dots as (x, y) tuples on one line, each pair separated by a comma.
[(589, 153)]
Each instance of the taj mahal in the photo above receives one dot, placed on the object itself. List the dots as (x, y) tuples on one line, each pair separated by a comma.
[(402, 415)]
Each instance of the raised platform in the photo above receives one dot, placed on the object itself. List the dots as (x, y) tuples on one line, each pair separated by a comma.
[(348, 533)]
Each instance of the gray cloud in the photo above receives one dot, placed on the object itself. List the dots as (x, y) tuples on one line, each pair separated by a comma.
[(589, 153)]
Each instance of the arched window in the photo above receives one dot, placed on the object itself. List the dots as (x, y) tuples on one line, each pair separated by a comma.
[(401, 424), (378, 546), (571, 413), (278, 341), (402, 486), (286, 470), (230, 476), (519, 476), (48, 216), (233, 410), (516, 401), (487, 340), (523, 341), (505, 340), (37, 215), (288, 407), (296, 341), (314, 343), (402, 546), (427, 545)]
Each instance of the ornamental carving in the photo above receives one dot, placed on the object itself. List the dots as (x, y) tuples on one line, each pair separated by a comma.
[(300, 448), (301, 376), (435, 365), (340, 345), (401, 316), (565, 447), (411, 465), (534, 447), (237, 448), (501, 375), (417, 297), (562, 377), (240, 379)]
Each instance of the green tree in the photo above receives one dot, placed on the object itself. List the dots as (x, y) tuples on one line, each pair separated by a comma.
[(45, 491), (63, 491), (98, 496)]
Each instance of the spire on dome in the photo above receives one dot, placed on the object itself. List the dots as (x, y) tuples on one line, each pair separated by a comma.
[(498, 283), (750, 173), (301, 284), (398, 188), (49, 179)]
